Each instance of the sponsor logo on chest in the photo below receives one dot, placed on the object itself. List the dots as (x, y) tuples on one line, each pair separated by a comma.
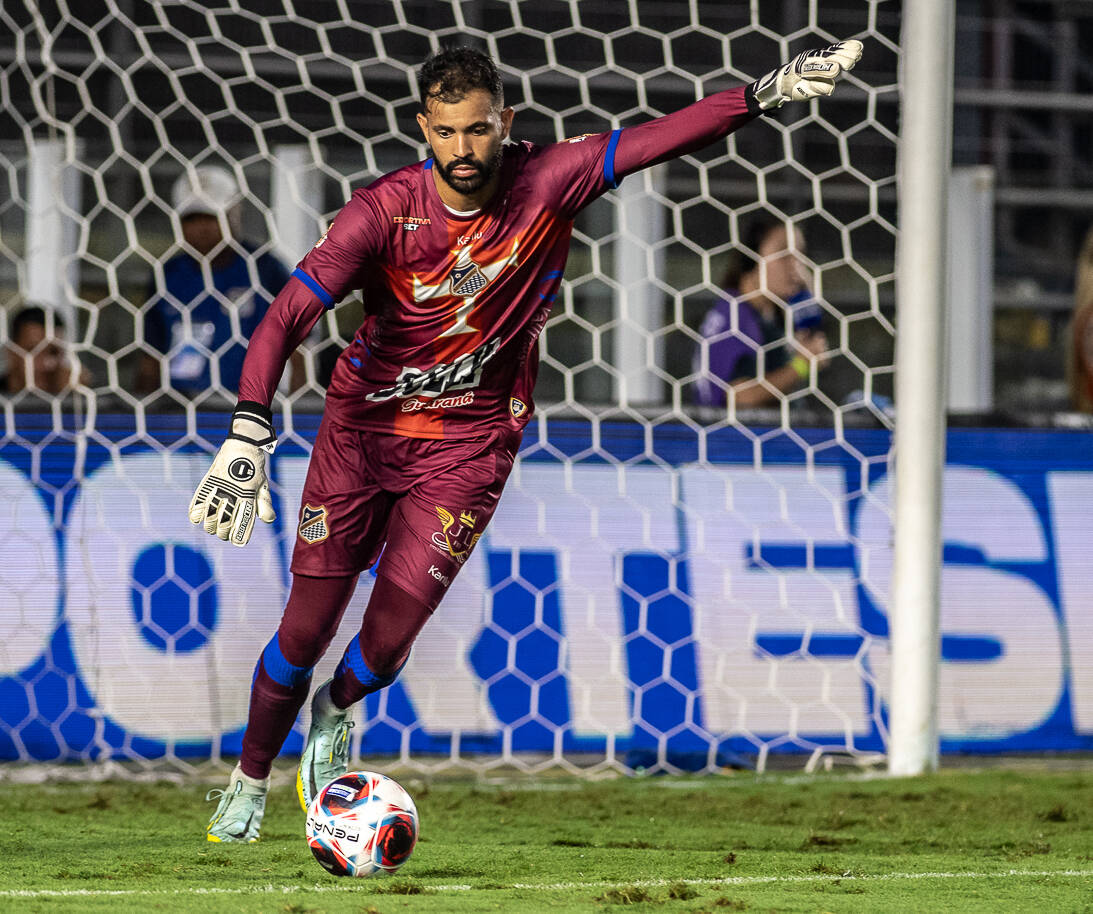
[(411, 223), (462, 373)]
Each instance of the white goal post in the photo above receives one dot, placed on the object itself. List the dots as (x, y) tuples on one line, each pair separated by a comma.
[(925, 159), (665, 587)]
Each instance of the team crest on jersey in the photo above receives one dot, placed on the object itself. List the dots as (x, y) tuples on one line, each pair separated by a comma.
[(456, 538), (517, 407), (466, 279), (313, 528)]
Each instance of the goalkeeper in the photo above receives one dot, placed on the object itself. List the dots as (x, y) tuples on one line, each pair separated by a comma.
[(459, 258)]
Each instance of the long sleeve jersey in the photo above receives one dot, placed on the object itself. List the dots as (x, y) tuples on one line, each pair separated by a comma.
[(455, 304)]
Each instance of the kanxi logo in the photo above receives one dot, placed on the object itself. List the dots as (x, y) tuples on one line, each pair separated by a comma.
[(241, 469), (439, 575)]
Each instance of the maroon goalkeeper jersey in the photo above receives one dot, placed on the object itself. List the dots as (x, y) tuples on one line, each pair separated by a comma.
[(454, 304)]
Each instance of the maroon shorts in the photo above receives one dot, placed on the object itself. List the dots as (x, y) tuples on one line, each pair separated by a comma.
[(422, 503)]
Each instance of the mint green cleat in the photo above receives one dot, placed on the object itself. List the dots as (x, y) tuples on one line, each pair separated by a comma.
[(326, 752), (239, 815)]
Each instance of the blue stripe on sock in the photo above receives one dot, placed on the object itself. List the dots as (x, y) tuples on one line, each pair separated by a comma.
[(279, 669), (353, 660), (325, 297)]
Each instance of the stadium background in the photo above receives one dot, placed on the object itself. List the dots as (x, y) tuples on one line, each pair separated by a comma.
[(592, 626)]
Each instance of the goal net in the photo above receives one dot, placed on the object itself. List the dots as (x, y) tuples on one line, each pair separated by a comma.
[(664, 587)]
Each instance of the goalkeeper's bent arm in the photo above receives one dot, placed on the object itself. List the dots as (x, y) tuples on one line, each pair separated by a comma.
[(289, 320), (234, 493)]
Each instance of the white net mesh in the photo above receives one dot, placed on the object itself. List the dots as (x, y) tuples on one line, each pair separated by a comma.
[(664, 586)]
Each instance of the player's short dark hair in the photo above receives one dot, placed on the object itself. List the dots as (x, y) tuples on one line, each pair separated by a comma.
[(742, 260), (451, 73), (32, 314)]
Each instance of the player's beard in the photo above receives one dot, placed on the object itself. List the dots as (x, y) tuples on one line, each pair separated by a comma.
[(483, 173)]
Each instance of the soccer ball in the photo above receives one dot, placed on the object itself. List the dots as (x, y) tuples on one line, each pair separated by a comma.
[(362, 824)]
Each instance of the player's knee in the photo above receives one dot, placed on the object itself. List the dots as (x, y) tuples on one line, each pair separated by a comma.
[(374, 669), (282, 670), (387, 661), (303, 648)]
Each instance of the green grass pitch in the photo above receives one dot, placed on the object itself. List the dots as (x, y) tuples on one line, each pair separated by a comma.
[(960, 840)]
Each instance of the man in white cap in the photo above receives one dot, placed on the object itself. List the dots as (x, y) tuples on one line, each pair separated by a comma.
[(212, 279)]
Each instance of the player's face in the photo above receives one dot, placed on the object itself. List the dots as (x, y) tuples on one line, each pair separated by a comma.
[(784, 274), (466, 138)]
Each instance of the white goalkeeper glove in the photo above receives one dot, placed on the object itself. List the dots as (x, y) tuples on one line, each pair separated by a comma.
[(236, 486), (809, 75)]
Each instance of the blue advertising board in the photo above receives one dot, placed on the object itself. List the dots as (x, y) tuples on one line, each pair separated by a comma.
[(714, 594)]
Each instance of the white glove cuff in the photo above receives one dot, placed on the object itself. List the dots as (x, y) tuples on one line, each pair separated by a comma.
[(766, 91), (253, 423)]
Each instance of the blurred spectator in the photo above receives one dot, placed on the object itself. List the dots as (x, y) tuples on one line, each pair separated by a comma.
[(751, 316), (38, 359), (1080, 360), (218, 282)]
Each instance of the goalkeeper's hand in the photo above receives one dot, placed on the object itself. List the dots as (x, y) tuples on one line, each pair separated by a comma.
[(809, 75), (236, 486)]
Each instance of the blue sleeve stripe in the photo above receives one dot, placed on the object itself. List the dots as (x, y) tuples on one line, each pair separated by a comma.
[(609, 159), (279, 669), (325, 297)]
